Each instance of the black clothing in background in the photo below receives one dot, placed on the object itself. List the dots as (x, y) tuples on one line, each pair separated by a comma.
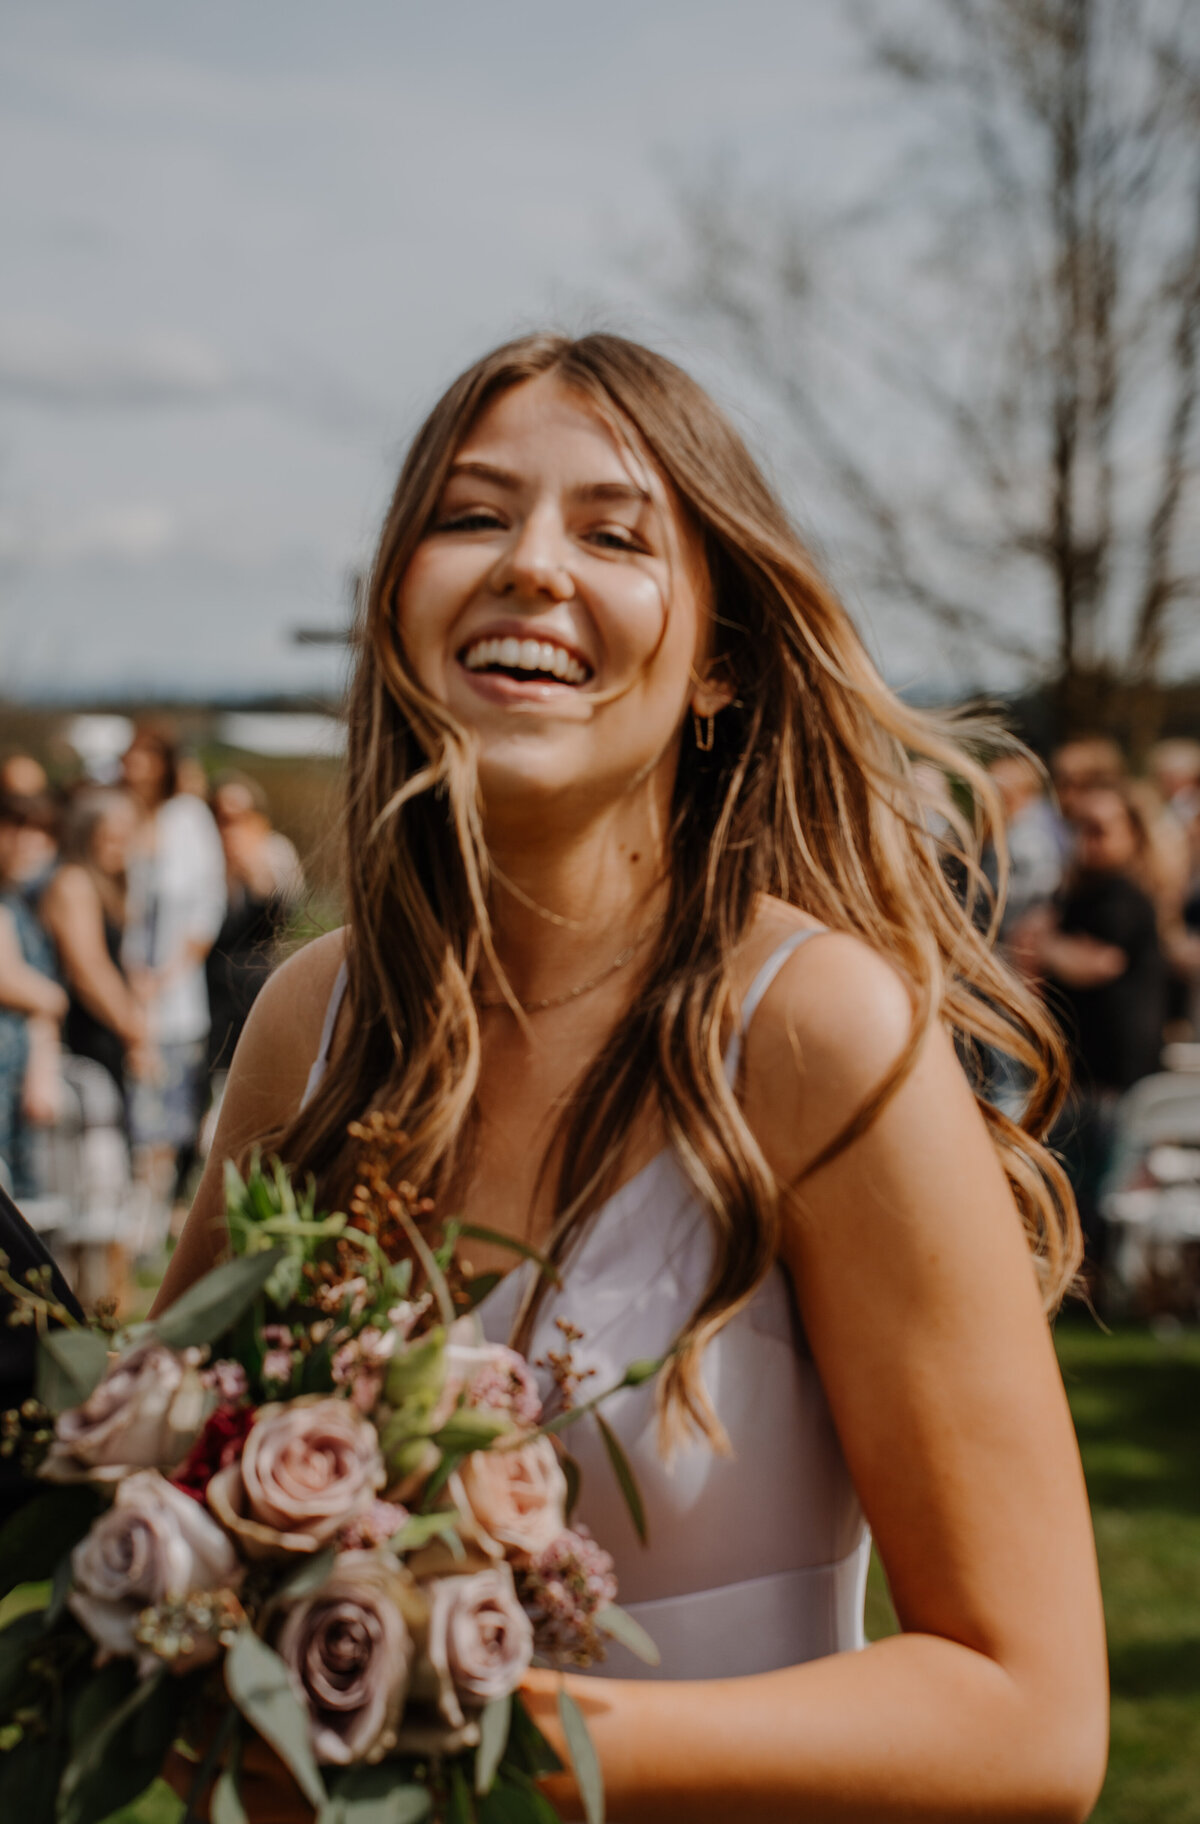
[(89, 1037), (18, 1347), (1116, 1029), (238, 965)]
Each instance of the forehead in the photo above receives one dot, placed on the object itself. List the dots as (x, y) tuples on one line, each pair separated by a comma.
[(542, 424)]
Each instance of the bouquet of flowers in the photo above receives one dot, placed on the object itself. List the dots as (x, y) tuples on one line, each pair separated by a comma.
[(310, 1503)]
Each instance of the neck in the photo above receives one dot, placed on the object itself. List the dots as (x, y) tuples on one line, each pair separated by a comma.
[(564, 906)]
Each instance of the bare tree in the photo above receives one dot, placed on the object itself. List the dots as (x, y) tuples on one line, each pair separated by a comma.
[(994, 364)]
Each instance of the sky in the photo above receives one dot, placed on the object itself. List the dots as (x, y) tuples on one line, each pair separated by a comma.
[(247, 244)]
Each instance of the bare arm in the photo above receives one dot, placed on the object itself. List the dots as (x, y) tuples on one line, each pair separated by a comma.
[(74, 917), (21, 985), (266, 1082), (919, 1300)]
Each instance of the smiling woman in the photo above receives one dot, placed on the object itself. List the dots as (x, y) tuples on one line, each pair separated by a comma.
[(652, 955)]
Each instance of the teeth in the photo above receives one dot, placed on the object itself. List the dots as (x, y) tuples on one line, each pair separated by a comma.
[(525, 655)]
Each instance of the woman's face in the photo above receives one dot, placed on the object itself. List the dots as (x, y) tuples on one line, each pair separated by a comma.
[(1106, 838), (112, 838), (557, 605)]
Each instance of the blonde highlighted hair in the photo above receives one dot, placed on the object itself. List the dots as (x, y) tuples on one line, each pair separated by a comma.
[(812, 792)]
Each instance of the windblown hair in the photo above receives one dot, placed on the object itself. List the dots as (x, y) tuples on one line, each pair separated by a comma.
[(812, 792)]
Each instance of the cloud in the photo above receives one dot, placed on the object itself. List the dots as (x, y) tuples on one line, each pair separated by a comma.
[(53, 365)]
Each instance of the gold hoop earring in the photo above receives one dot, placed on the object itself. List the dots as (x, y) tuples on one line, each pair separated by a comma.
[(705, 729)]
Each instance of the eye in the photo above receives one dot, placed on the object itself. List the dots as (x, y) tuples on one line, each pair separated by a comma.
[(470, 519), (616, 538)]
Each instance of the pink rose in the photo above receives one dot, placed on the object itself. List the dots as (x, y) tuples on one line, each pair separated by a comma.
[(308, 1468), (480, 1639), (518, 1496), (144, 1414), (349, 1650), (153, 1545)]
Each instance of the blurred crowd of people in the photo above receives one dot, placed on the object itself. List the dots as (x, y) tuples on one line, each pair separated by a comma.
[(1103, 913), (139, 916)]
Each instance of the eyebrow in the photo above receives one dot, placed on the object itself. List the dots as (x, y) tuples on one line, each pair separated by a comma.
[(591, 490)]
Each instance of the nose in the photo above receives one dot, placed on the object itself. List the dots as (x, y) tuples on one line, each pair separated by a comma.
[(534, 563)]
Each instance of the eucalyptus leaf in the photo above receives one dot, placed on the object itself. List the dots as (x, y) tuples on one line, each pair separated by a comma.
[(258, 1683), (70, 1364), (584, 1758), (114, 1761), (527, 1746), (215, 1303), (284, 1283), (417, 1373), (618, 1623), (626, 1480), (440, 1477), (516, 1800), (574, 1477), (376, 1795), (226, 1806), (481, 1286), (419, 1529), (494, 1720), (33, 1540)]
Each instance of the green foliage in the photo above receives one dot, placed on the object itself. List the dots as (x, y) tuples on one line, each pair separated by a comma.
[(36, 1537), (258, 1683), (215, 1303), (375, 1795), (493, 1736), (117, 1748), (70, 1363), (584, 1759), (620, 1625), (626, 1480)]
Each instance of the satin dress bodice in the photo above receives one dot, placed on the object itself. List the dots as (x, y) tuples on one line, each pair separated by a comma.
[(755, 1560)]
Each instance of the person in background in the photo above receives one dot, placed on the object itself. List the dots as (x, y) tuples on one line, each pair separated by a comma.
[(264, 881), (34, 819), (175, 906), (84, 911), (1035, 865), (21, 776), (1077, 767), (1175, 769), (1181, 939), (32, 1005), (1099, 953)]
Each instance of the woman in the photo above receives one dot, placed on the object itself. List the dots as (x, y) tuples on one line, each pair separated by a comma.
[(264, 883), (84, 910), (32, 1005), (650, 948), (176, 904)]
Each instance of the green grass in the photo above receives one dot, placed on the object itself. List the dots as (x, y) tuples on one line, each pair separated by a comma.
[(1136, 1401)]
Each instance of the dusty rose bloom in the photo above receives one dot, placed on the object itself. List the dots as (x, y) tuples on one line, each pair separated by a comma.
[(505, 1382), (144, 1414), (227, 1379), (480, 1639), (308, 1469), (349, 1650), (517, 1496), (153, 1545)]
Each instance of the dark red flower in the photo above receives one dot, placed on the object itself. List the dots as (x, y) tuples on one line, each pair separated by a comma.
[(219, 1444)]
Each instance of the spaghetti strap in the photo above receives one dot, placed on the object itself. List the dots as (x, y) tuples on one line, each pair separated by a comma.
[(320, 1062), (758, 988)]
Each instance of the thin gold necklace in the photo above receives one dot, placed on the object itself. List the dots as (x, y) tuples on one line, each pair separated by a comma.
[(573, 994)]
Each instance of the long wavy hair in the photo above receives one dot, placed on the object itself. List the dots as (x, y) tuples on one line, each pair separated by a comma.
[(813, 792)]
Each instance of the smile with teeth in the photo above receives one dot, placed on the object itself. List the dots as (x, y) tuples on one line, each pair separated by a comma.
[(536, 658)]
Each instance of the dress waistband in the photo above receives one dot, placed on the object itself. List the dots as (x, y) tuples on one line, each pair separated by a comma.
[(757, 1626)]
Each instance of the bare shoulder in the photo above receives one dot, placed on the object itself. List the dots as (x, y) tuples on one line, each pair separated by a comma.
[(830, 1027), (283, 1034)]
